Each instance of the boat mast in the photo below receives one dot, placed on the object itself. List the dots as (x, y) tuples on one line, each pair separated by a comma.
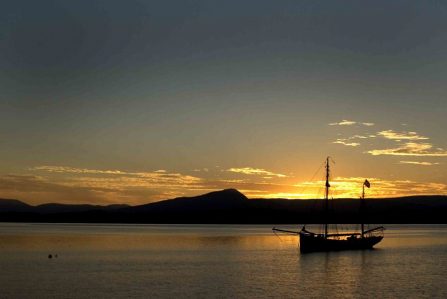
[(326, 197), (362, 209)]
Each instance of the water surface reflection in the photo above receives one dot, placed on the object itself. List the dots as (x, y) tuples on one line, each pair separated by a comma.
[(97, 261)]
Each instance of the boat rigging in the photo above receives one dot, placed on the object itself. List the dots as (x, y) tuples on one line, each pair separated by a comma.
[(313, 242)]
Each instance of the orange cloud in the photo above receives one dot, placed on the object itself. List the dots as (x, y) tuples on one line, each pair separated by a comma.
[(350, 187), (343, 123), (346, 122), (393, 135), (110, 185), (256, 171), (348, 141), (77, 185), (411, 149), (344, 142), (418, 163)]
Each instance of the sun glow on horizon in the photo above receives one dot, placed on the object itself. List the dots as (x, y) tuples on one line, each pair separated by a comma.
[(78, 185), (138, 101), (351, 187), (69, 184)]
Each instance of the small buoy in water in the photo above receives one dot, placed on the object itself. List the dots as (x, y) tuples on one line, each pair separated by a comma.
[(50, 256)]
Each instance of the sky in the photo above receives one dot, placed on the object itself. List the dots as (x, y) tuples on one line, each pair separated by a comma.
[(132, 102)]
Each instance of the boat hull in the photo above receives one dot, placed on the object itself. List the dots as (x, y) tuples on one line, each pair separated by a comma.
[(316, 243)]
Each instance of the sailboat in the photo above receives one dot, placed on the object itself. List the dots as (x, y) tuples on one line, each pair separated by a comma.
[(326, 241)]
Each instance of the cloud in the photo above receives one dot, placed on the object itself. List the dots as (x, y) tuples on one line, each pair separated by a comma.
[(343, 123), (112, 186), (343, 141), (118, 186), (393, 135), (348, 141), (65, 169), (418, 163), (132, 189), (37, 190), (84, 185), (359, 137), (411, 149), (350, 187), (157, 175), (412, 146), (346, 122), (256, 171)]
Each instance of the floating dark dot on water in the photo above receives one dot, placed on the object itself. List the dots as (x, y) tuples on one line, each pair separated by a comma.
[(50, 256)]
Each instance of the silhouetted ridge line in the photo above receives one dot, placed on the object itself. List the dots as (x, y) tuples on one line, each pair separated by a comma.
[(225, 199), (231, 206), (70, 208), (13, 205)]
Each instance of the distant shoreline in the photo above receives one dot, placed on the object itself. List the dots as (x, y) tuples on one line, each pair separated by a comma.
[(232, 207)]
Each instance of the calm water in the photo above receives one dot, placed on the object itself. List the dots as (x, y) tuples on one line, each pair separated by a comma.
[(168, 261)]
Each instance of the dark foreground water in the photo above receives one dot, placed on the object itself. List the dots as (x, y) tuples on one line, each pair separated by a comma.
[(175, 261)]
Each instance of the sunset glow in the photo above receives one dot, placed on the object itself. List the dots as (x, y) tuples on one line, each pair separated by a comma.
[(141, 101)]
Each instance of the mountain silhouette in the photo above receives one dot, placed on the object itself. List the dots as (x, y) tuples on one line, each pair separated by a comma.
[(13, 205), (217, 200), (231, 206), (52, 208)]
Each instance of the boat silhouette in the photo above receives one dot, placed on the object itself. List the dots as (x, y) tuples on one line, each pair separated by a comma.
[(326, 241)]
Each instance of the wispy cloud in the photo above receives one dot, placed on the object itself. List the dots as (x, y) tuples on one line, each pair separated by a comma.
[(411, 149), (65, 169), (114, 185), (418, 163), (131, 189), (345, 142), (346, 122), (361, 137), (393, 135), (85, 185), (343, 187), (160, 174), (38, 189), (349, 140), (256, 171), (408, 143)]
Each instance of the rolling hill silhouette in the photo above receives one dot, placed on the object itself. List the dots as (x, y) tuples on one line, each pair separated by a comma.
[(14, 205), (217, 200), (231, 206)]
